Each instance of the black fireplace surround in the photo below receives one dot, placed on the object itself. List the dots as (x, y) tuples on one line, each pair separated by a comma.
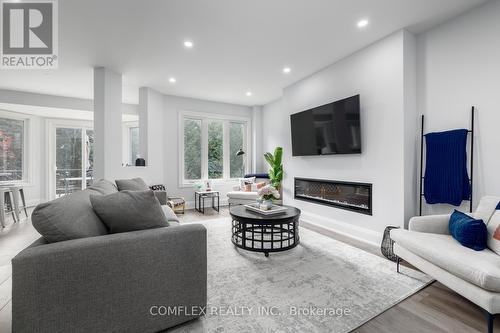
[(356, 197)]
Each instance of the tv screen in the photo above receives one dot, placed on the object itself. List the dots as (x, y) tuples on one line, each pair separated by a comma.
[(332, 128)]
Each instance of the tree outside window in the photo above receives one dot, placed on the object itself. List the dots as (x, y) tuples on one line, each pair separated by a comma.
[(192, 149), (215, 150), (219, 140), (11, 149)]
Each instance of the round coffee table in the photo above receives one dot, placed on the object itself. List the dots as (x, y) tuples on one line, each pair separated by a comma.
[(260, 233)]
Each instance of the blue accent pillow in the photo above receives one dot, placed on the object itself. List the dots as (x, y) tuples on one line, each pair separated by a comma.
[(257, 175), (468, 231)]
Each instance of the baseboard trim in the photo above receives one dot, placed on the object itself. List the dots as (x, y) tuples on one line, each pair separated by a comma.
[(370, 242)]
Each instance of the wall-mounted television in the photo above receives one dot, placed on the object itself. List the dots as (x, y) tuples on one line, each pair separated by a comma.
[(329, 129)]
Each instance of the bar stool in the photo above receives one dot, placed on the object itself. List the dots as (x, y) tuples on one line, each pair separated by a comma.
[(6, 205), (18, 193)]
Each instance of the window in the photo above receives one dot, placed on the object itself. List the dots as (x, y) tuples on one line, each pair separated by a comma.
[(131, 139), (12, 149), (133, 134), (70, 156), (209, 146), (68, 160), (236, 142), (215, 151), (192, 149)]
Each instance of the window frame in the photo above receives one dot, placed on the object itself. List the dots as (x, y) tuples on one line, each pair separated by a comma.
[(51, 125), (205, 118), (27, 176), (127, 148)]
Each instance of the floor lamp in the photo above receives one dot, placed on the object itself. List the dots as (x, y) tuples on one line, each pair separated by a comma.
[(240, 152)]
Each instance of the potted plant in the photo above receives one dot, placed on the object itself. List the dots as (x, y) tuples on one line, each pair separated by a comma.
[(267, 194), (276, 170)]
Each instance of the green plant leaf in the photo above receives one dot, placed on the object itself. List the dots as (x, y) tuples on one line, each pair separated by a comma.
[(276, 167), (269, 159), (278, 155)]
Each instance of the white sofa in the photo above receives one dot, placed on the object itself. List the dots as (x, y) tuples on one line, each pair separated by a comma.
[(475, 275), (238, 197)]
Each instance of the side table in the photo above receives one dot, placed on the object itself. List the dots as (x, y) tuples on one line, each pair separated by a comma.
[(199, 200)]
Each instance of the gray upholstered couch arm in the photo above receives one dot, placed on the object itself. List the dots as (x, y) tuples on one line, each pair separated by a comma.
[(110, 283), (434, 224)]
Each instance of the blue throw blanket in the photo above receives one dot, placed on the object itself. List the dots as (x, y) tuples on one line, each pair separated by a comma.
[(446, 179)]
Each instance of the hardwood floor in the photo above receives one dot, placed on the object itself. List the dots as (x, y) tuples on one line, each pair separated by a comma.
[(435, 309)]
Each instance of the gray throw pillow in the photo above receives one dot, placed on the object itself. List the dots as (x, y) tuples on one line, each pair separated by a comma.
[(129, 211), (134, 184), (102, 187), (69, 217)]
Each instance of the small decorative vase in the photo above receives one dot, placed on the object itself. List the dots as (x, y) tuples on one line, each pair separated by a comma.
[(266, 204)]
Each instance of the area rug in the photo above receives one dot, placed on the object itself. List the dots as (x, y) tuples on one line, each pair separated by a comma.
[(322, 285)]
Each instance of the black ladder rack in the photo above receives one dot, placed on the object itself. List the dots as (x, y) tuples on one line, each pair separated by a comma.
[(471, 176)]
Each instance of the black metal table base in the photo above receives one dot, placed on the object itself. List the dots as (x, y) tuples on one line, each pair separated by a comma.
[(264, 237)]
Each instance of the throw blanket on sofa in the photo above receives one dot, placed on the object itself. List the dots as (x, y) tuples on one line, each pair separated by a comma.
[(446, 179)]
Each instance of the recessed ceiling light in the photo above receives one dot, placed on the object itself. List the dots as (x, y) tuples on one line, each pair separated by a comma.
[(287, 70), (248, 93), (172, 80), (362, 23), (188, 44)]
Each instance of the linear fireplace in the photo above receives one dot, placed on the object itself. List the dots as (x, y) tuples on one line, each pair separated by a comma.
[(355, 197)]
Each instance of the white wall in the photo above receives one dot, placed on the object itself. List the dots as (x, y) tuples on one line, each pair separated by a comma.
[(107, 122), (257, 140), (377, 74), (38, 153), (459, 66), (411, 135), (172, 105), (151, 134), (274, 133)]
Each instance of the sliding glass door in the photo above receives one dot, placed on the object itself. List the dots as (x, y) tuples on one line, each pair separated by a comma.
[(71, 156)]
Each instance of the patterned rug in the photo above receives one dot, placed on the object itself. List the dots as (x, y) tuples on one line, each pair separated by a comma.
[(322, 285)]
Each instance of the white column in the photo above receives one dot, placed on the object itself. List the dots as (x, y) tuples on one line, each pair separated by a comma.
[(143, 123), (151, 130), (107, 123), (257, 144)]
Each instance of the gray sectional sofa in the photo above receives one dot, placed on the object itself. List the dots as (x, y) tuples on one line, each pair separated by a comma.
[(106, 282)]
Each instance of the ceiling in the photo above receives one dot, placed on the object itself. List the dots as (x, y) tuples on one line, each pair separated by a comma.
[(239, 45)]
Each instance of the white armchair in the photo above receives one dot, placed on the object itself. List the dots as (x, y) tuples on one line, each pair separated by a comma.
[(475, 275), (434, 224), (238, 197)]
